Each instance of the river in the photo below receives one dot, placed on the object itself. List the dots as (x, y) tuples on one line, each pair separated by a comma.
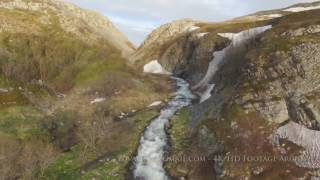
[(150, 158)]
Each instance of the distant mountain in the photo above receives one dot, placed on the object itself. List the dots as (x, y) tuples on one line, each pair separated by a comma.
[(276, 13), (85, 24), (159, 37)]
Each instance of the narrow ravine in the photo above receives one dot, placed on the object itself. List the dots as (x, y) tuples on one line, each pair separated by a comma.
[(150, 158), (238, 41)]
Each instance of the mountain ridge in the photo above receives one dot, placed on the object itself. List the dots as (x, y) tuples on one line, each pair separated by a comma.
[(177, 25), (100, 25)]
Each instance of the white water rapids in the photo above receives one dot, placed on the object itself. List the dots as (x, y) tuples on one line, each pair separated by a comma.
[(238, 40), (150, 158)]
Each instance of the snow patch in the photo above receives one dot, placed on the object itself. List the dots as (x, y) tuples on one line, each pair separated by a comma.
[(304, 137), (242, 37), (207, 93), (273, 15), (299, 9), (200, 35), (97, 100), (155, 67), (238, 39), (193, 28), (156, 103), (3, 90)]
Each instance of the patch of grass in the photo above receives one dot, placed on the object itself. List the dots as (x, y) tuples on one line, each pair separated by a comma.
[(230, 26), (179, 131), (180, 136), (22, 122), (136, 98), (273, 41), (5, 82), (276, 98), (95, 70), (12, 98), (111, 170), (65, 167)]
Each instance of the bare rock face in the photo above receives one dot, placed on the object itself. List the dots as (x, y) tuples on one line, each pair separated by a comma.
[(85, 24), (313, 29), (306, 138), (189, 57), (151, 47), (167, 31), (303, 112), (278, 92)]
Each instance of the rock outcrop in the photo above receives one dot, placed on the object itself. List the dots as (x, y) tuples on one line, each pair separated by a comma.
[(303, 31), (182, 47), (275, 86), (150, 48)]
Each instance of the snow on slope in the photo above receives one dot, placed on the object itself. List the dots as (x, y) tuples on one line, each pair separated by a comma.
[(200, 35), (97, 100), (299, 9), (192, 28), (156, 103), (207, 93), (306, 138), (154, 67), (273, 15), (204, 87)]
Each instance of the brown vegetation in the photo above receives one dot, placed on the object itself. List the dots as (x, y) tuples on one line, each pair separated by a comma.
[(20, 159)]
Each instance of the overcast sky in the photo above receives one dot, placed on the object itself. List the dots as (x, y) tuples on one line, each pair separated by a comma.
[(137, 18)]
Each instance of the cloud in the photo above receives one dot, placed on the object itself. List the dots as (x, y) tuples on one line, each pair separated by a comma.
[(136, 30), (136, 34), (137, 18)]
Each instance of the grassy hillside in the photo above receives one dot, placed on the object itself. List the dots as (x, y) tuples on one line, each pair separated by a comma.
[(49, 76)]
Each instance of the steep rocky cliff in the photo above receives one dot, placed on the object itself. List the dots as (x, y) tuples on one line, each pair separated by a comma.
[(264, 109), (160, 39)]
